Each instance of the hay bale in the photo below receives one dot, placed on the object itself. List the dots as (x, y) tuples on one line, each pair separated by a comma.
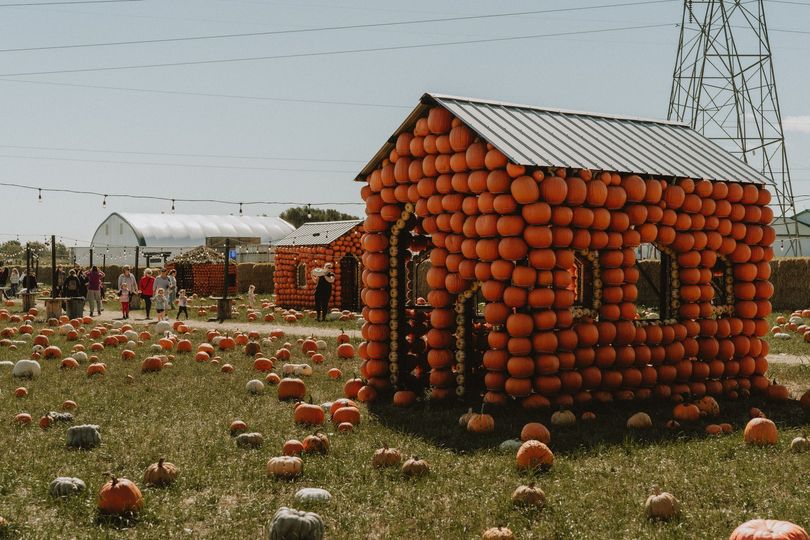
[(244, 273), (262, 277), (790, 283)]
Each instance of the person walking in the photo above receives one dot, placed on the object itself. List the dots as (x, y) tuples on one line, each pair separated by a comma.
[(147, 289), (252, 296), (128, 278), (3, 279), (161, 303), (14, 281), (323, 277), (123, 297), (182, 304), (94, 278), (172, 290), (82, 275)]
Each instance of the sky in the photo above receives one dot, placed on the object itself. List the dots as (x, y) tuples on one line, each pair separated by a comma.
[(298, 129)]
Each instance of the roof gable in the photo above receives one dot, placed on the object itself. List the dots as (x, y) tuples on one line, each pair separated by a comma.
[(318, 233), (538, 137)]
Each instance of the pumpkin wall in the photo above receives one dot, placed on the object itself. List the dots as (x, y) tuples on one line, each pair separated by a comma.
[(517, 234), (288, 258)]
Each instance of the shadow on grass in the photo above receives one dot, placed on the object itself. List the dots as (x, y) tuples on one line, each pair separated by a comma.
[(117, 521), (439, 424)]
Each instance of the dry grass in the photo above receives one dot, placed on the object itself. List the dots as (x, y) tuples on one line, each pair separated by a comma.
[(596, 488)]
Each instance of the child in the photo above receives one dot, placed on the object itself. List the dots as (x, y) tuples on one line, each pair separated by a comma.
[(182, 304), (160, 304), (252, 296), (123, 297)]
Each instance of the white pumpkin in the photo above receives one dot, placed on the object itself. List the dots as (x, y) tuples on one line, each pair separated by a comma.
[(781, 335), (65, 329), (37, 349), (131, 335), (85, 436), (7, 364), (800, 444), (155, 348), (131, 346), (303, 369), (255, 386), (161, 327), (26, 368), (117, 324), (312, 496), (80, 356), (65, 485), (321, 344)]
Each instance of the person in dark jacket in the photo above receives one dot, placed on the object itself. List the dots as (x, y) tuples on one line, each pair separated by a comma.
[(29, 282), (82, 282), (72, 285), (323, 277)]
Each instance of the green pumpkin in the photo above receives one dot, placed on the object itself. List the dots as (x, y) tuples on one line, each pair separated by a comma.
[(292, 524), (65, 485), (510, 445), (249, 440), (86, 436)]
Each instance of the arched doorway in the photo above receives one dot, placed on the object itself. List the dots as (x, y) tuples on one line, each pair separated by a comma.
[(350, 283)]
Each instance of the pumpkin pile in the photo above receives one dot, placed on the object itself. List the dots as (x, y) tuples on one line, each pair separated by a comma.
[(290, 258), (521, 236)]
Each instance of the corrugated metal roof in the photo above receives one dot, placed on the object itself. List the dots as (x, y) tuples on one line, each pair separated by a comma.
[(188, 230), (789, 229), (318, 233), (533, 136)]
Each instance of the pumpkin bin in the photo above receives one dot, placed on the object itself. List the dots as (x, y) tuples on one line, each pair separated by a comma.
[(484, 272)]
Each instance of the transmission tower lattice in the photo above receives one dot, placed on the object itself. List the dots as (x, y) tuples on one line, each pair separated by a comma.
[(724, 87)]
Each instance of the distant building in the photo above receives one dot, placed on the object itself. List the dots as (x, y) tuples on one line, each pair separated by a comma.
[(785, 234), (309, 247), (164, 236)]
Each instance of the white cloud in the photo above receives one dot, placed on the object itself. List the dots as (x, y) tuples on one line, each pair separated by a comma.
[(800, 124)]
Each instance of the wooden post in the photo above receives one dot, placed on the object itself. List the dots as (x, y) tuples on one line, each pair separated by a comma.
[(137, 261), (91, 257), (53, 271), (227, 261)]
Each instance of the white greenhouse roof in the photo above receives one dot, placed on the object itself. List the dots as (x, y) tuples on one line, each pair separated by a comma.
[(186, 230)]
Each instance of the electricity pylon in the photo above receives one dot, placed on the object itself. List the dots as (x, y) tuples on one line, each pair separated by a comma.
[(725, 88)]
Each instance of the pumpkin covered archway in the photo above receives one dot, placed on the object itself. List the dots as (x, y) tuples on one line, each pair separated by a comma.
[(505, 207)]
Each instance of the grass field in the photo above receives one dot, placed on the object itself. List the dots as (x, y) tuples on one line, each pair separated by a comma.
[(596, 488)]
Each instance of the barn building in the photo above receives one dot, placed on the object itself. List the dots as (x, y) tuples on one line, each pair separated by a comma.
[(311, 246), (534, 223), (164, 236)]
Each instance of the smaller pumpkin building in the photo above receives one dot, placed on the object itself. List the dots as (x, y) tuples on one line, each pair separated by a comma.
[(311, 246)]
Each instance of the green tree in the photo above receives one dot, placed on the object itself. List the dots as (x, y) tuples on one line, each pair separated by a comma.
[(10, 250), (302, 214)]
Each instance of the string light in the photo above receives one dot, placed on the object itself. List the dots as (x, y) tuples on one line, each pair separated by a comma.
[(240, 209), (104, 202), (40, 196), (172, 206), (176, 199)]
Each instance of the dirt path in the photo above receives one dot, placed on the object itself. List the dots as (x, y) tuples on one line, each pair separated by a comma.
[(107, 315), (788, 359)]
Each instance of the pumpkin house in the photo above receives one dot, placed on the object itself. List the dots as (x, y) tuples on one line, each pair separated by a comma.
[(311, 246), (535, 225)]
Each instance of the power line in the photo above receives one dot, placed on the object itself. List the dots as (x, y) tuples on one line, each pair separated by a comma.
[(171, 154), (333, 28), (208, 94), (172, 200), (160, 164), (340, 52), (21, 4)]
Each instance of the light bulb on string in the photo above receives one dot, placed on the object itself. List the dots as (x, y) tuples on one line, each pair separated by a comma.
[(172, 206), (240, 209), (39, 199), (104, 202)]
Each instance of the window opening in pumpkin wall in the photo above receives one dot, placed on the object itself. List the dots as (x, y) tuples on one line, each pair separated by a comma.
[(655, 274), (301, 276), (722, 283), (583, 280)]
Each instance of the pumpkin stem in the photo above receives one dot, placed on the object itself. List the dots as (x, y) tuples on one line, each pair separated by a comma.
[(656, 490), (160, 462)]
